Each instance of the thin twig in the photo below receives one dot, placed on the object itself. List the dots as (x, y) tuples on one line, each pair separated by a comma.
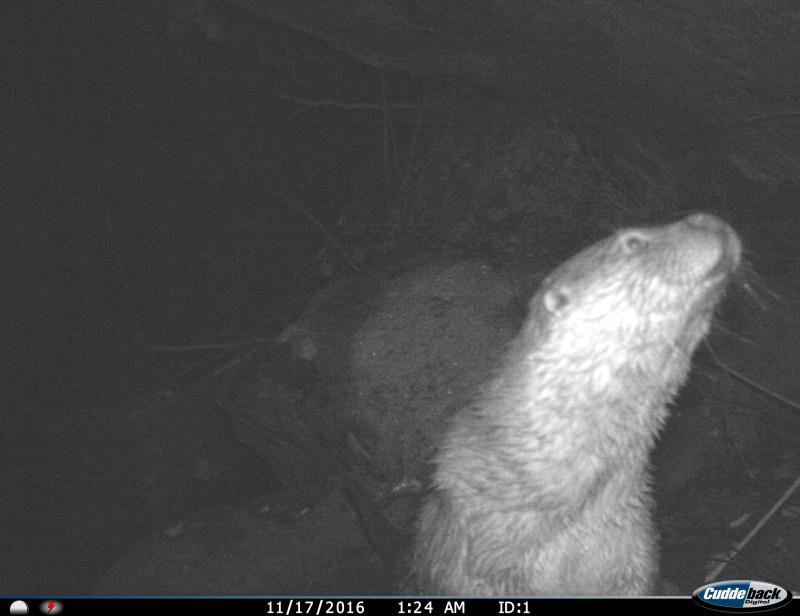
[(322, 228), (205, 347), (778, 115), (760, 388), (738, 547), (345, 105)]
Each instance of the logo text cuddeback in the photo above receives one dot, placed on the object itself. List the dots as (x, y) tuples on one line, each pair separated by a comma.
[(752, 595), (741, 595)]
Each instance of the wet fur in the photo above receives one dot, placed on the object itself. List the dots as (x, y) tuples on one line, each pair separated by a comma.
[(542, 484)]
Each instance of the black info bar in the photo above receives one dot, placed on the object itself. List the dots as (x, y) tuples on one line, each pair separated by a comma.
[(342, 606)]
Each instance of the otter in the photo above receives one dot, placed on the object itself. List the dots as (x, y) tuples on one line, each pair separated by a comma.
[(541, 484)]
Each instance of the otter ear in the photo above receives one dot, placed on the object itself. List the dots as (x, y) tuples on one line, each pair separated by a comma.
[(556, 299)]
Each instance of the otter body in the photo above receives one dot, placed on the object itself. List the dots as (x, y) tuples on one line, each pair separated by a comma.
[(404, 356), (541, 484)]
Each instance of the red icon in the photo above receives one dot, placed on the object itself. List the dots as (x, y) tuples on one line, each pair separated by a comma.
[(50, 607)]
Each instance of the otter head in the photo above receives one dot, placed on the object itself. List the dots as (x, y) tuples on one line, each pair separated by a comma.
[(630, 310)]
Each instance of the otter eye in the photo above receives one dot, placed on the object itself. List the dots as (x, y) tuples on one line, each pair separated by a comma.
[(633, 242), (555, 300)]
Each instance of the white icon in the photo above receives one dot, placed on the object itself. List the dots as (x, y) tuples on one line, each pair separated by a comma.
[(19, 607)]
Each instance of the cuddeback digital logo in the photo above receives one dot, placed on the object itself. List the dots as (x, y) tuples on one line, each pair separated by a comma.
[(741, 596)]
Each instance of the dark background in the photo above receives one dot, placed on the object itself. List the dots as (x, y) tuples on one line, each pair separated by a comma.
[(187, 174)]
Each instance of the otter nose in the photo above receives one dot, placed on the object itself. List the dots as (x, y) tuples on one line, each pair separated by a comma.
[(731, 247), (705, 221)]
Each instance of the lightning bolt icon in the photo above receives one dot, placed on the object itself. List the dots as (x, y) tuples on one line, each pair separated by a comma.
[(50, 605)]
